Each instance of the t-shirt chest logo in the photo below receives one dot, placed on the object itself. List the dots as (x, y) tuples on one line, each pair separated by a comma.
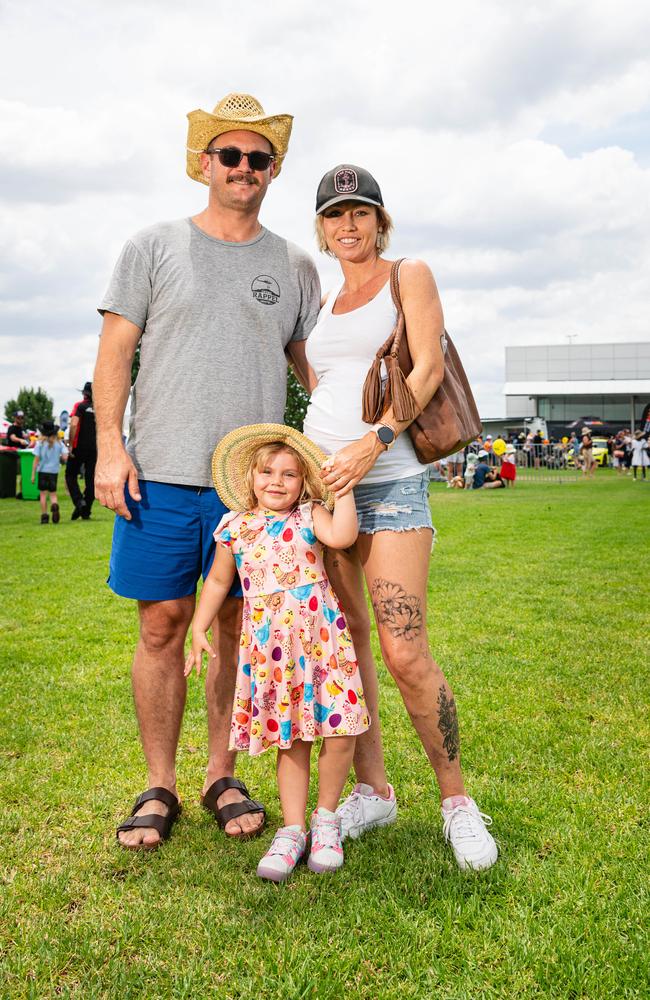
[(265, 289), (345, 181)]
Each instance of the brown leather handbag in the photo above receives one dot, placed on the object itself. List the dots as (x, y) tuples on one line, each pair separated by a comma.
[(450, 419)]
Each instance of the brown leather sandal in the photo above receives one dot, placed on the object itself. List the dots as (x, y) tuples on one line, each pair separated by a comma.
[(163, 824), (234, 809)]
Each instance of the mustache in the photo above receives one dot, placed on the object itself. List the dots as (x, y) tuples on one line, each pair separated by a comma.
[(247, 178)]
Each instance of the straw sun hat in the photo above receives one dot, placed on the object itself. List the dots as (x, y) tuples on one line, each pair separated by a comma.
[(232, 458), (234, 112)]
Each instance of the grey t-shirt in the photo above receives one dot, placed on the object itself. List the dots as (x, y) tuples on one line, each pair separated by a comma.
[(216, 318)]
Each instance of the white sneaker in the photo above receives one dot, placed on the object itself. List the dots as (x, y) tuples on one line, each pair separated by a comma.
[(464, 827), (326, 853), (363, 810), (283, 855)]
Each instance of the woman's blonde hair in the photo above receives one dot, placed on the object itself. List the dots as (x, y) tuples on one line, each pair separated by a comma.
[(385, 224), (311, 489)]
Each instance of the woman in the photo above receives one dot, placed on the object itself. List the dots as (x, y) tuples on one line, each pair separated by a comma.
[(587, 454), (391, 492)]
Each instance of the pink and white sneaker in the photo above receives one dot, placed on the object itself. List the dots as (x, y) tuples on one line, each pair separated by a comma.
[(326, 853), (283, 855)]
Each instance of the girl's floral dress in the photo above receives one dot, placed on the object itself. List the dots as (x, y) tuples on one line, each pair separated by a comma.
[(298, 676)]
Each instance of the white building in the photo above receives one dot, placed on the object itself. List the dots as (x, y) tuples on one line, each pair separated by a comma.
[(562, 382)]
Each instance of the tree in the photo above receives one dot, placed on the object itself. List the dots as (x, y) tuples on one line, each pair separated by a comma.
[(35, 404), (135, 365), (297, 401)]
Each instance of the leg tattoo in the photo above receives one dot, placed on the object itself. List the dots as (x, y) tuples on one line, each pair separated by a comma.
[(448, 724), (400, 612)]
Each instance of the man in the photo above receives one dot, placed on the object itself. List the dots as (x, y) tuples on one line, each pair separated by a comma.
[(214, 302), (83, 452), (485, 478), (16, 436)]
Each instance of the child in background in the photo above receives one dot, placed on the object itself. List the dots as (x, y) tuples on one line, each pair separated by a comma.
[(49, 454), (508, 471), (297, 676)]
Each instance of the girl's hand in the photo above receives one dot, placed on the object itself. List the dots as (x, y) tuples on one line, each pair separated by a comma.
[(200, 644)]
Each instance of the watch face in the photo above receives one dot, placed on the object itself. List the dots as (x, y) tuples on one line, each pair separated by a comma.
[(385, 435)]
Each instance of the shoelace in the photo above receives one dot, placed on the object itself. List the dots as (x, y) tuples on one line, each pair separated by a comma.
[(326, 832), (284, 842), (466, 823), (350, 808)]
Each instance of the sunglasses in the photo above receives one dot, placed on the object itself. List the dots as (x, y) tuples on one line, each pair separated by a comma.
[(230, 156)]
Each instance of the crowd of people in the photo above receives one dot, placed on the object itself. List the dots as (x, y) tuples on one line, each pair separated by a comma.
[(53, 448), (496, 460)]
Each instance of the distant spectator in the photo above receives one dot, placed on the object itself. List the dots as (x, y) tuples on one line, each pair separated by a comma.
[(16, 434), (618, 453), (455, 464), (537, 443), (485, 478), (470, 466), (83, 452), (49, 454), (645, 421), (528, 449), (487, 446), (573, 448), (587, 459), (627, 446), (508, 471), (640, 458)]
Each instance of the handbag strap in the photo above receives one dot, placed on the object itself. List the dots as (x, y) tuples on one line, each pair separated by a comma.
[(391, 345)]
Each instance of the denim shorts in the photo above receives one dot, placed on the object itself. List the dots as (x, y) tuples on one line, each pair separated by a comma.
[(399, 505), (168, 544)]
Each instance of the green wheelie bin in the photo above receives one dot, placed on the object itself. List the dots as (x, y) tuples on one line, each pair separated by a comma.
[(29, 489)]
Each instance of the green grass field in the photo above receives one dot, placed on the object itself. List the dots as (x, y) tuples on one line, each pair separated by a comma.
[(539, 602)]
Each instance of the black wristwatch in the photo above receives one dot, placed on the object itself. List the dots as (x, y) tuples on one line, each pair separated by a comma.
[(385, 434)]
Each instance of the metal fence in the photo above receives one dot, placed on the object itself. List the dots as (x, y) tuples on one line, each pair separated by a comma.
[(550, 463)]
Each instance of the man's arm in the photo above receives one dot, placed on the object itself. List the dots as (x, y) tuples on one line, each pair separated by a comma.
[(72, 431), (297, 357), (111, 385)]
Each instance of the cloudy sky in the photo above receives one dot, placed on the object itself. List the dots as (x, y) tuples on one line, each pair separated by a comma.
[(511, 141)]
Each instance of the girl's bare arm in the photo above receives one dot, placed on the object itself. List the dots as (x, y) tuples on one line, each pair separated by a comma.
[(214, 592), (339, 529)]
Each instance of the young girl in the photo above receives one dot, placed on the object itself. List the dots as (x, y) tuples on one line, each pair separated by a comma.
[(508, 471), (297, 676), (49, 453)]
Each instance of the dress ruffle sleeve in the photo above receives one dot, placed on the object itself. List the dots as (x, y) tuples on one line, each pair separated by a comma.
[(224, 531)]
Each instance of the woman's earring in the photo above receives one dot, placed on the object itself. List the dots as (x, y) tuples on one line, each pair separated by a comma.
[(380, 242)]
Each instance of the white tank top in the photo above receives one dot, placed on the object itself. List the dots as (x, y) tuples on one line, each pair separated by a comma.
[(341, 349)]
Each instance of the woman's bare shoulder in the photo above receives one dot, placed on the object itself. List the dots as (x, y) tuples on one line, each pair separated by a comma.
[(416, 276)]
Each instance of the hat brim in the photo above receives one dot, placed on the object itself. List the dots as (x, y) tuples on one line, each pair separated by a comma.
[(204, 126), (232, 457), (347, 197)]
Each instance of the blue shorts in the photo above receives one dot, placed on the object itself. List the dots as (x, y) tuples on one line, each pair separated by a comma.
[(399, 505), (168, 544)]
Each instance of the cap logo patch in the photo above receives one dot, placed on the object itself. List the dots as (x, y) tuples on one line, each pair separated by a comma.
[(345, 181)]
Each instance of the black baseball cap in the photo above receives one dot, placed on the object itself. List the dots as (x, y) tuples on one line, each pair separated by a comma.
[(347, 183)]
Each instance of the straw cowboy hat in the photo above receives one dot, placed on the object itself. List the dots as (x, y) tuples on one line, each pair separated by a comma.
[(232, 113), (232, 458)]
